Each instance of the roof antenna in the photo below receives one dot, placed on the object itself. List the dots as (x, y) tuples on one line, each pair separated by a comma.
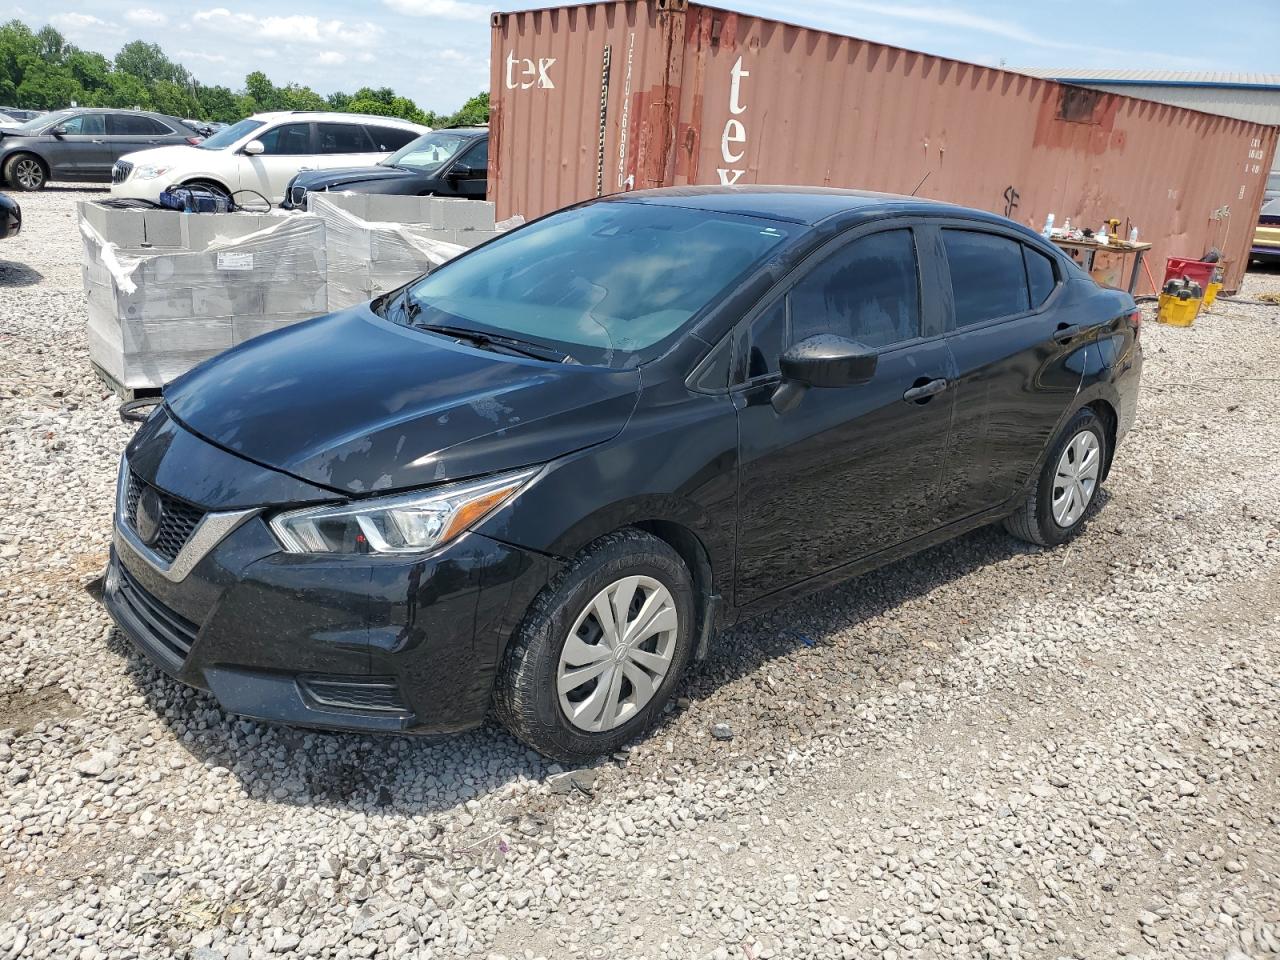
[(921, 183)]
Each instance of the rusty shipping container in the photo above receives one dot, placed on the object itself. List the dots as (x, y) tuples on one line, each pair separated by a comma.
[(606, 97)]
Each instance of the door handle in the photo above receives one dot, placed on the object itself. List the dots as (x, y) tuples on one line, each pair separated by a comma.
[(1063, 334), (97, 141), (925, 390)]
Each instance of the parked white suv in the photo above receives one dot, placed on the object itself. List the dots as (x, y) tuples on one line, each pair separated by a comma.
[(263, 153)]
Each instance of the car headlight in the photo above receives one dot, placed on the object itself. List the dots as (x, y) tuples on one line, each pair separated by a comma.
[(406, 523), (150, 171)]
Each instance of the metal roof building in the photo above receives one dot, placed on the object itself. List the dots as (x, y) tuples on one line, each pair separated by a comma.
[(1245, 96)]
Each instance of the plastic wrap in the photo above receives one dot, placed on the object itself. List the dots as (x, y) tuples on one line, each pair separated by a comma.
[(368, 257), (190, 286)]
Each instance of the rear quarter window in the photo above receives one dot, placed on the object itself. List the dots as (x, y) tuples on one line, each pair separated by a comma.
[(988, 276), (1041, 276)]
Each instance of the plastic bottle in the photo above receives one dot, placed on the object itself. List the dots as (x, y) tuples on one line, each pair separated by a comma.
[(1133, 235), (1066, 226), (1101, 235), (1048, 226)]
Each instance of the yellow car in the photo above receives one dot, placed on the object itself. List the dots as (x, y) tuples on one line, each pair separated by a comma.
[(1266, 240)]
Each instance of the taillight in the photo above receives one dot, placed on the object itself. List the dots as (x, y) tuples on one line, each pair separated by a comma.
[(1135, 318), (195, 141)]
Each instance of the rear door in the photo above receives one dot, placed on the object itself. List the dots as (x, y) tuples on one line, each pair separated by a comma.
[(82, 152), (127, 132), (1014, 377), (344, 145), (287, 148), (847, 471)]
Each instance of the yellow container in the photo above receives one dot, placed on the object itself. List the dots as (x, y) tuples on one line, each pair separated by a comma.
[(1211, 294), (1176, 311)]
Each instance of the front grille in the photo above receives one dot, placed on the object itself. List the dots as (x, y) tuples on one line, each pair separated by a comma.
[(179, 519), (159, 627), (363, 694), (120, 172), (298, 196)]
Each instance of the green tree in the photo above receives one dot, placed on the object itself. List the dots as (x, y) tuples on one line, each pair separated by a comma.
[(124, 91), (148, 63), (48, 86)]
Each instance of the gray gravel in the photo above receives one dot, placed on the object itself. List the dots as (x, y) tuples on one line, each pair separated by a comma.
[(988, 750)]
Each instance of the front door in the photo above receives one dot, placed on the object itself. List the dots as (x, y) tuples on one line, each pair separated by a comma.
[(82, 152), (468, 176), (286, 149), (846, 471)]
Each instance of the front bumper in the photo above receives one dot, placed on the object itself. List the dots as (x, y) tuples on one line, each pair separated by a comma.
[(387, 644), (138, 189)]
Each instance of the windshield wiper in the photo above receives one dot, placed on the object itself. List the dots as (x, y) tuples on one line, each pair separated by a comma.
[(481, 339)]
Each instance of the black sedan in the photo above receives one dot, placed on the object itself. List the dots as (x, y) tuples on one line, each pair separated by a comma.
[(10, 217), (444, 163), (82, 144), (546, 475)]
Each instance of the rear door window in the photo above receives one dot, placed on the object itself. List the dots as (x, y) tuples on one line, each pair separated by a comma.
[(988, 276), (1041, 276), (387, 139), (288, 139), (127, 125), (343, 138), (477, 158)]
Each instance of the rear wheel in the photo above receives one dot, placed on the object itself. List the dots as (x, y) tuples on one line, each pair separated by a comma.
[(24, 171), (1055, 510), (600, 650)]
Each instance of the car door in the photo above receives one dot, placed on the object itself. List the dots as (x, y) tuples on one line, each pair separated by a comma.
[(468, 175), (1014, 376), (344, 145), (127, 132), (81, 152), (286, 149), (847, 471)]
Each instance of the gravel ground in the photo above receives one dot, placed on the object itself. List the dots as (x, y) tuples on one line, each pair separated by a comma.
[(988, 750)]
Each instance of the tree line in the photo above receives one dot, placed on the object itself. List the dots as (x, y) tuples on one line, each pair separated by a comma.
[(40, 70)]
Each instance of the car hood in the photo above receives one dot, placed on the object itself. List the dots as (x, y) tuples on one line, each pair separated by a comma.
[(175, 153), (354, 403), (336, 179)]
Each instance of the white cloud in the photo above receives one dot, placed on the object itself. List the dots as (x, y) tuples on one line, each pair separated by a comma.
[(82, 23), (297, 28), (200, 55), (331, 58), (145, 17), (449, 9)]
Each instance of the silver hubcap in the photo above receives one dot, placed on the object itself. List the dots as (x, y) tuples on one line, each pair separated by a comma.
[(29, 173), (1076, 478), (617, 654)]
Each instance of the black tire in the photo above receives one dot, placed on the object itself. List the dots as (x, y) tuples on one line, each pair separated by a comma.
[(210, 185), (526, 700), (33, 175), (1034, 521)]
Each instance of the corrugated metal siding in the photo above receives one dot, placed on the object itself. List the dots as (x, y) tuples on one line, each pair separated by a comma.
[(766, 102), (1154, 76)]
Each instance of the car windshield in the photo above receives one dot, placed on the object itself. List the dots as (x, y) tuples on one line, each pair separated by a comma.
[(605, 284), (427, 152), (225, 138), (36, 124)]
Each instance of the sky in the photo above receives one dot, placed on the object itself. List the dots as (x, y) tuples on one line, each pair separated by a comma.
[(437, 51)]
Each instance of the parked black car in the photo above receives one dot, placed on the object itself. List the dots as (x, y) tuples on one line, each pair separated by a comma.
[(446, 163), (545, 475), (10, 217), (82, 144)]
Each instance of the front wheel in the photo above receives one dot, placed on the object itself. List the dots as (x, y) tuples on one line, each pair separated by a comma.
[(25, 172), (600, 650), (1055, 510)]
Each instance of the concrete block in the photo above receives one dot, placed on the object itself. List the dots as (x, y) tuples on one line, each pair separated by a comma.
[(473, 238), (464, 214), (162, 228)]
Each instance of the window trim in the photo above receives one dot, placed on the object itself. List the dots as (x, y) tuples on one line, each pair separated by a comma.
[(925, 277), (944, 269)]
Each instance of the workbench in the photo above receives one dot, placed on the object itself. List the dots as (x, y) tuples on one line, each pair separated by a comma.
[(1088, 250)]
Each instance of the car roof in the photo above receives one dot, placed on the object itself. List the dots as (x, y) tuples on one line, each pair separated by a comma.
[(334, 115), (807, 205)]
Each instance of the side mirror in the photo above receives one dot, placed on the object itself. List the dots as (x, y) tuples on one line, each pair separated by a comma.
[(822, 361), (461, 171), (253, 148), (58, 131)]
